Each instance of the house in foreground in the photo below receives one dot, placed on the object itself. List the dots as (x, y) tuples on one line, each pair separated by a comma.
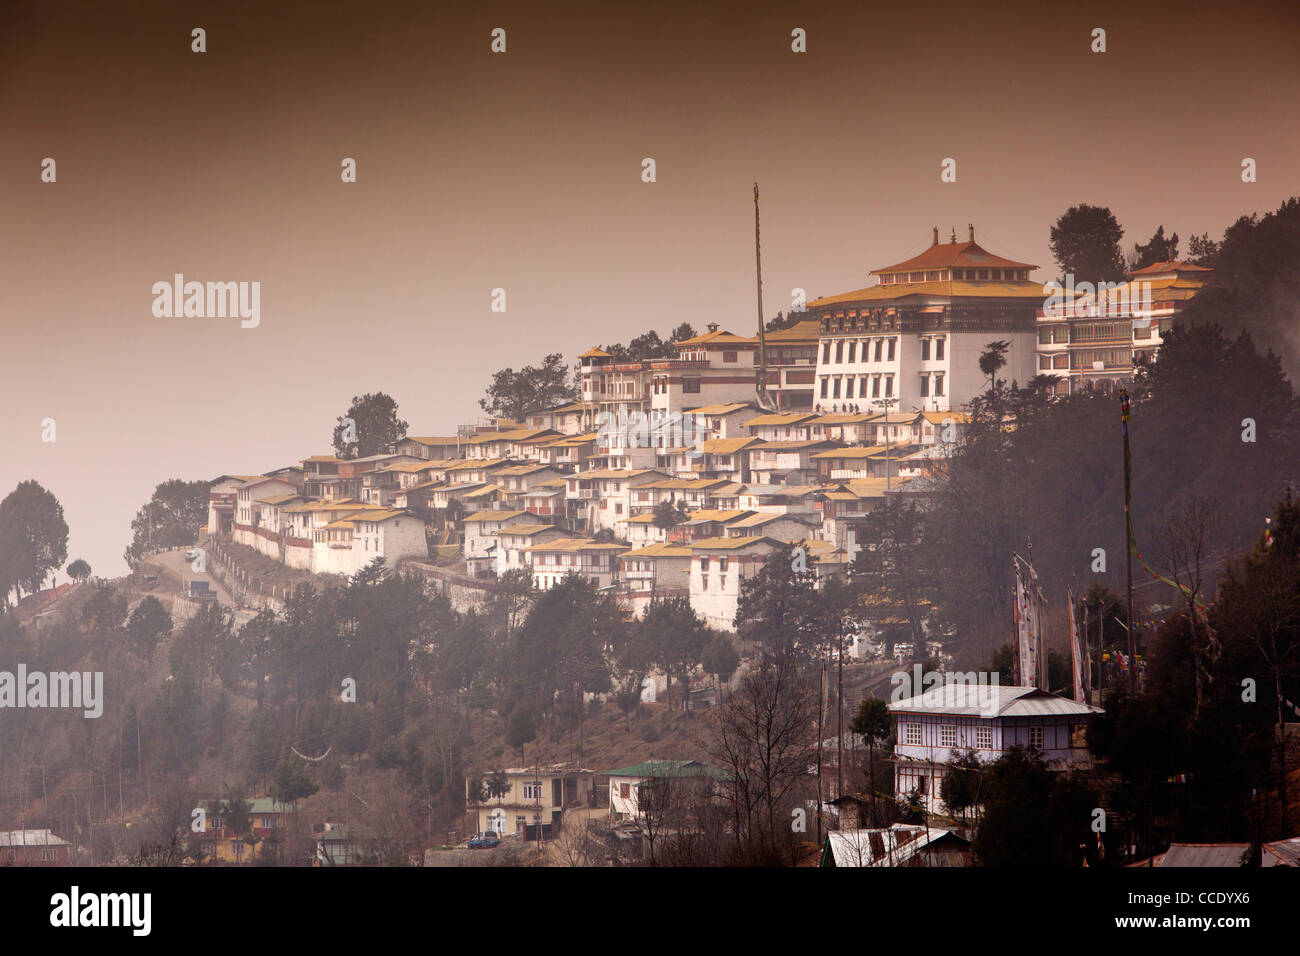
[(529, 796), (903, 844), (34, 848), (938, 726), (649, 783)]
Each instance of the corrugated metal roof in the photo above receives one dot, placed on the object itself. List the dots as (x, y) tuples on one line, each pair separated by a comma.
[(1206, 854), (30, 838), (893, 846), (991, 700)]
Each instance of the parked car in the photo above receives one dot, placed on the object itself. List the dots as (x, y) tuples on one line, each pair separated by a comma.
[(483, 841)]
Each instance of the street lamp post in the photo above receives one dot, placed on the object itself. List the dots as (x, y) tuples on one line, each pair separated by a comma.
[(887, 404)]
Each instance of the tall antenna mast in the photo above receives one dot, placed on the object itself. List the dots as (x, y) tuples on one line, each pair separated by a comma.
[(763, 400)]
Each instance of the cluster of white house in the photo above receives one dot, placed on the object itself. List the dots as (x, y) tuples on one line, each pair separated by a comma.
[(753, 445)]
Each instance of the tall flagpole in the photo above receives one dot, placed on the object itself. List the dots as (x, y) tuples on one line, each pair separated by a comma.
[(1128, 551)]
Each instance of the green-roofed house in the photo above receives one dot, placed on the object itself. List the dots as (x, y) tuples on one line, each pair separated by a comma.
[(628, 786)]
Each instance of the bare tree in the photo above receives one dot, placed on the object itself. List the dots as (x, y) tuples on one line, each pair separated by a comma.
[(764, 744), (1181, 545)]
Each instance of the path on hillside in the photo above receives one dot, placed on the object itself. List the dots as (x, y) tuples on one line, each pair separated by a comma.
[(177, 567)]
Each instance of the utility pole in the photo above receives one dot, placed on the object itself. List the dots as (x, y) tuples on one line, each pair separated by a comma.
[(762, 332), (1128, 551), (887, 404)]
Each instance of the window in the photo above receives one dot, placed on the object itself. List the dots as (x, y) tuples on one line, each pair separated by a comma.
[(835, 389), (889, 386), (875, 386), (704, 582), (1036, 737), (948, 735), (839, 352), (826, 353), (880, 344), (848, 387), (691, 386), (722, 564), (925, 350), (925, 386), (853, 347), (912, 733), (938, 350), (729, 357), (1044, 336), (984, 738), (891, 349), (938, 384), (533, 790), (1142, 333), (825, 384), (625, 790), (704, 564)]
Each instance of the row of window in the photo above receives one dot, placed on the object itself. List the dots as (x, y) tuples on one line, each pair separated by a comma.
[(1064, 334), (833, 383), (948, 736), (885, 350), (944, 275)]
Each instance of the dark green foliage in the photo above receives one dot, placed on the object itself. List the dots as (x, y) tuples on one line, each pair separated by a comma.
[(33, 538), (378, 428), (149, 624), (1032, 817), (170, 519), (514, 395), (1085, 243)]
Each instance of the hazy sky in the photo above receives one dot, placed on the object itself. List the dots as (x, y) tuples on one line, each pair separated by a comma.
[(522, 171)]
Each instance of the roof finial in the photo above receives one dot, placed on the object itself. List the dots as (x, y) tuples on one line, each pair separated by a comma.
[(953, 237), (936, 236), (971, 227)]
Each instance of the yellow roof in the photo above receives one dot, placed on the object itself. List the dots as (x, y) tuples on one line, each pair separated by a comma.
[(940, 417), (485, 491), (491, 515), (724, 446), (845, 418), (526, 530), (611, 473), (594, 352), (684, 484), (381, 515), (277, 500), (660, 550), (856, 451), (712, 514), (717, 337), (901, 290), (723, 409), (730, 544), (758, 520), (793, 418), (576, 544)]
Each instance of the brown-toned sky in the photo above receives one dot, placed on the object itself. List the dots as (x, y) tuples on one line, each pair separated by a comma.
[(522, 171)]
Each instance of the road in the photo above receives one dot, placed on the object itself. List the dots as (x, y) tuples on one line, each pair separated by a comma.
[(181, 568)]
